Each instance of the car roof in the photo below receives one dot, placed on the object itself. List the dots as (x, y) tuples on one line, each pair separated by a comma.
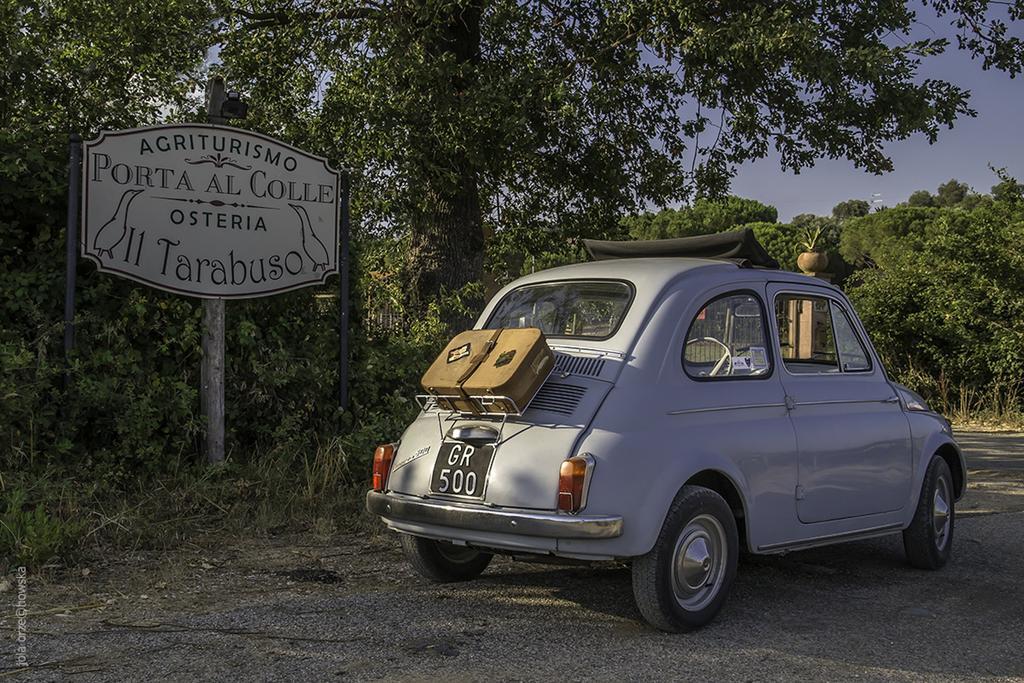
[(650, 277), (656, 272)]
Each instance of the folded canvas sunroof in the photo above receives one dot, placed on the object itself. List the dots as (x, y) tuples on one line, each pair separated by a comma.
[(739, 246)]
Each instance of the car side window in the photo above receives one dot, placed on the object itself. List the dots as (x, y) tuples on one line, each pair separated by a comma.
[(727, 340), (852, 354), (807, 341)]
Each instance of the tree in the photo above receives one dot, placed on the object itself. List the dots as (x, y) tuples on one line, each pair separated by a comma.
[(921, 198), (1007, 190), (781, 240), (862, 237), (951, 193), (463, 118), (77, 67), (703, 217), (851, 208), (942, 301)]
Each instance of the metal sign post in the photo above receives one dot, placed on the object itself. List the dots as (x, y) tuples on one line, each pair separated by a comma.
[(71, 254), (343, 303)]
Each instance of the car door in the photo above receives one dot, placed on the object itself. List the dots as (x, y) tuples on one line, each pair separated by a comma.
[(730, 403), (853, 440)]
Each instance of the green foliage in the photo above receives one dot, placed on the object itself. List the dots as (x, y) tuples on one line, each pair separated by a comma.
[(30, 535), (951, 193), (784, 241), (945, 296), (1007, 189), (465, 118), (860, 235), (921, 198), (781, 240), (513, 252), (703, 217), (851, 208), (131, 415)]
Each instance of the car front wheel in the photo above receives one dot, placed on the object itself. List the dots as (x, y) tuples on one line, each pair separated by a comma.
[(928, 540), (443, 562), (682, 583)]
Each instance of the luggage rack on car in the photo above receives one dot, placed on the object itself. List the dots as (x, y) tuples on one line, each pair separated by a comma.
[(485, 404)]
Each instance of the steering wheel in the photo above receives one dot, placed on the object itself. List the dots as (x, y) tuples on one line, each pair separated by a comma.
[(725, 361)]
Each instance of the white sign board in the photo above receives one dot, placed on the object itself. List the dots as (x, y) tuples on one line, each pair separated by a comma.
[(209, 211)]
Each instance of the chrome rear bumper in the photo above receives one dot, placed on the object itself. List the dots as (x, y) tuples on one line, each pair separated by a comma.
[(542, 524)]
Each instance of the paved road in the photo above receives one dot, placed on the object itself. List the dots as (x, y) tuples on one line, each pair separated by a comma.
[(993, 451), (278, 609)]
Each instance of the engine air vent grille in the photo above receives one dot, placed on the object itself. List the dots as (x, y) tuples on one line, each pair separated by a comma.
[(578, 365), (558, 398)]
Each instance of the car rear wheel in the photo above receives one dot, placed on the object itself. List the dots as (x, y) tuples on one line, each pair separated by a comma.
[(928, 540), (443, 562), (683, 582)]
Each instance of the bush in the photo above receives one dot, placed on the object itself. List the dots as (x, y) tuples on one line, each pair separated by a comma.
[(703, 217), (781, 240), (30, 535), (943, 303)]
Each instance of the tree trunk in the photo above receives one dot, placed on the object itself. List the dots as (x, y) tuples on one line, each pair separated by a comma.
[(447, 250)]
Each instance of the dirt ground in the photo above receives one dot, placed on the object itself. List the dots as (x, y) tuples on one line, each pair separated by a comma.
[(350, 609)]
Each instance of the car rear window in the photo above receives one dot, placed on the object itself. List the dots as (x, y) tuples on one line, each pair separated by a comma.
[(590, 309)]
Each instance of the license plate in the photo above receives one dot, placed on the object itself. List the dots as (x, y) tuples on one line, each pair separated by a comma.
[(461, 469)]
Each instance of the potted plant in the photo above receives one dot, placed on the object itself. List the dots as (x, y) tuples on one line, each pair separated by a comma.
[(812, 260)]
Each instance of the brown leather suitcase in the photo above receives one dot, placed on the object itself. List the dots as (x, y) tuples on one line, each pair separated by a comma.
[(515, 368), (509, 362), (445, 376)]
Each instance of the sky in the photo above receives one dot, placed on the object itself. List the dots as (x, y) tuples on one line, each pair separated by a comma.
[(995, 137)]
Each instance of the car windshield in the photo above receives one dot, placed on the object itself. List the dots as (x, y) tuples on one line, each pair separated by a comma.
[(578, 308)]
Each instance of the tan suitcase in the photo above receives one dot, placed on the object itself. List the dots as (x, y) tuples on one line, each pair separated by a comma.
[(456, 363), (508, 362), (516, 368)]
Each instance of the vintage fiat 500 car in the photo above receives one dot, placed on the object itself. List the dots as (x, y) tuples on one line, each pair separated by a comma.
[(697, 408)]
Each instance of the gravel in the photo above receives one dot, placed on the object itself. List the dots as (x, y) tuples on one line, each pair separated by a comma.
[(273, 609)]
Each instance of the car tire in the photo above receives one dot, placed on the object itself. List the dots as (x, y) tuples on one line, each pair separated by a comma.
[(928, 540), (443, 562), (682, 583)]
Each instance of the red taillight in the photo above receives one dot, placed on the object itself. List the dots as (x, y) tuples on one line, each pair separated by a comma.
[(572, 482), (382, 458)]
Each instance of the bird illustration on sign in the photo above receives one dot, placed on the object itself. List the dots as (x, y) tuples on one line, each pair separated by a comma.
[(311, 244), (113, 231)]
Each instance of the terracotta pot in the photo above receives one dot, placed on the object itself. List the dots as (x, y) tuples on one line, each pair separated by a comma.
[(812, 261)]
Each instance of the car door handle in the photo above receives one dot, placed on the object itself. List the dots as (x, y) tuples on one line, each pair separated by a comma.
[(892, 399)]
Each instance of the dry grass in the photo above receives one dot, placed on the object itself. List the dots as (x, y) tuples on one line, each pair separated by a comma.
[(318, 492), (999, 406)]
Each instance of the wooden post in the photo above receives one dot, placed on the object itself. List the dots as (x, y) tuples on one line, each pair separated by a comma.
[(212, 376)]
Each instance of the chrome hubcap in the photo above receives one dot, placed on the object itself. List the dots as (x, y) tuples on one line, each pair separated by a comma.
[(698, 562), (454, 553), (940, 512)]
